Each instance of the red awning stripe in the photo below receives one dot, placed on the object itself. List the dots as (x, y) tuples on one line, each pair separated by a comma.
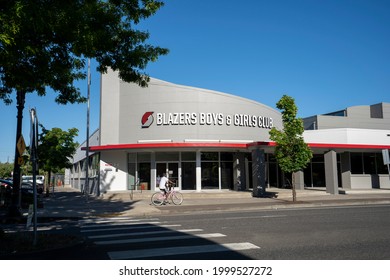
[(167, 145), (228, 145)]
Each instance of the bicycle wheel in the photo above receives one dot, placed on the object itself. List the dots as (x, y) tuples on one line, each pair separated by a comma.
[(158, 199), (177, 198)]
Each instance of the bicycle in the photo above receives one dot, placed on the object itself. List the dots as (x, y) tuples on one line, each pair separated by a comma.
[(159, 198)]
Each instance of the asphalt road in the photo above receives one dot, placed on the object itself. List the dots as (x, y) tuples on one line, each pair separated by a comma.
[(345, 233), (341, 233), (357, 232)]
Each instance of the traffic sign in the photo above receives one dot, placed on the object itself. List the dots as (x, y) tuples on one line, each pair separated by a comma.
[(21, 145)]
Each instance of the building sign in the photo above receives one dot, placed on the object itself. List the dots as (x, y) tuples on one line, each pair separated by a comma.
[(209, 119)]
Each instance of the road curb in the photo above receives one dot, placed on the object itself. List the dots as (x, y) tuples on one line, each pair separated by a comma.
[(246, 207)]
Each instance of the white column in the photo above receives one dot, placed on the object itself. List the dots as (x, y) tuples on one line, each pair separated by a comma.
[(198, 172), (332, 184)]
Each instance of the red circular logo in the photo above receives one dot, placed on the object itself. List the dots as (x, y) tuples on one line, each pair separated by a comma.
[(147, 119)]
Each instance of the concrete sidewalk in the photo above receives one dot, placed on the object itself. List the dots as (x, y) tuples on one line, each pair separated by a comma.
[(67, 202)]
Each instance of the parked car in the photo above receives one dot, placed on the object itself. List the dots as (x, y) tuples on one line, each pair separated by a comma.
[(39, 181), (26, 191), (5, 185)]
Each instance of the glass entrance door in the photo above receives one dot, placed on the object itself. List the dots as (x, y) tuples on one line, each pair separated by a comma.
[(171, 169)]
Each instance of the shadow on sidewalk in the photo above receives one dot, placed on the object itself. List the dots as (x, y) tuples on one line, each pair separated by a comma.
[(72, 203)]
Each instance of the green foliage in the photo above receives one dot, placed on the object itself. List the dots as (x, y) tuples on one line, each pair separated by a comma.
[(291, 151), (6, 169), (46, 43), (55, 148)]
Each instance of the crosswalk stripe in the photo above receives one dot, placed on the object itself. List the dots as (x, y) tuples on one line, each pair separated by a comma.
[(129, 227), (141, 233), (171, 251), (113, 220), (110, 227), (116, 223), (159, 238)]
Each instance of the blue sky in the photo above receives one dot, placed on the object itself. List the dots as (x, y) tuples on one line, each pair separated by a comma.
[(328, 55)]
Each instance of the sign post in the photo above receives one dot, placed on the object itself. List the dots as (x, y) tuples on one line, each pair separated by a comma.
[(34, 162)]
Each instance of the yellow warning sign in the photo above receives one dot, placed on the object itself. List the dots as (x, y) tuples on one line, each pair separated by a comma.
[(21, 145)]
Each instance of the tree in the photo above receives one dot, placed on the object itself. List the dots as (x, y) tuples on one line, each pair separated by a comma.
[(46, 43), (55, 149), (5, 170), (291, 151)]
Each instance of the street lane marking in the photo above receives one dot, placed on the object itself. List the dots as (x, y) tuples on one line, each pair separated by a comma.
[(142, 233), (159, 238), (255, 217), (115, 224), (128, 227), (184, 250), (113, 220)]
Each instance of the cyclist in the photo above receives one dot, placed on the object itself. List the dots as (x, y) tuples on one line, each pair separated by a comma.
[(164, 181)]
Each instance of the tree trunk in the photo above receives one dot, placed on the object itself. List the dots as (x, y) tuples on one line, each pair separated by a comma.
[(51, 184), (294, 193), (47, 183), (14, 209)]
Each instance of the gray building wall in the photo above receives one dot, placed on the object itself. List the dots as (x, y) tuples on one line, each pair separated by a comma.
[(180, 113), (372, 119), (375, 116), (165, 112)]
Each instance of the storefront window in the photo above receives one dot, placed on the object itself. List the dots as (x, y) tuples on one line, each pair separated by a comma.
[(369, 163), (248, 160), (167, 156), (356, 163), (188, 156), (210, 176), (318, 174), (382, 168), (209, 156), (318, 171), (227, 175), (307, 176), (144, 166), (210, 170), (272, 171), (188, 170), (143, 157), (188, 175), (226, 156), (144, 175), (226, 170)]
